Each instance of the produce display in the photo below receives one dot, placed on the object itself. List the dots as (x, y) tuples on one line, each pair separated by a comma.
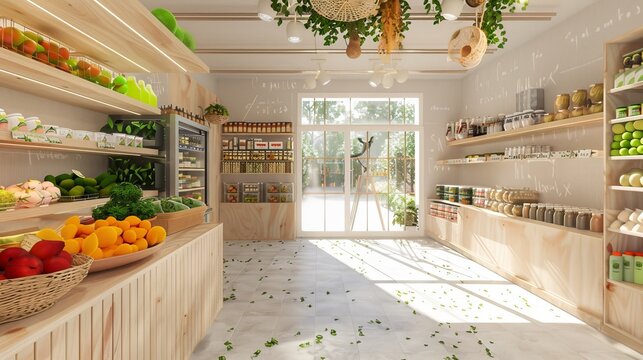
[(137, 172), (168, 20), (626, 266), (126, 199), (45, 257), (631, 178), (31, 193), (176, 204), (75, 185), (627, 139)]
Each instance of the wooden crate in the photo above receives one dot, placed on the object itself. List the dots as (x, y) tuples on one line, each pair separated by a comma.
[(181, 220)]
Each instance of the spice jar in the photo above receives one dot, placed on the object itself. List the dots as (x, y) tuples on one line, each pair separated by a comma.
[(596, 222), (517, 210), (533, 210), (525, 210), (570, 217), (549, 214), (540, 213), (562, 102), (583, 219), (579, 98), (559, 216)]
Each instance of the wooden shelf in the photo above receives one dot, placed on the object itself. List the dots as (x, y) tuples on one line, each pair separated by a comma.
[(33, 77), (123, 35), (57, 208), (592, 119), (627, 188), (192, 189), (262, 174), (623, 232), (634, 87), (260, 134), (626, 119), (191, 169), (256, 161), (75, 146), (596, 154), (633, 157), (627, 285)]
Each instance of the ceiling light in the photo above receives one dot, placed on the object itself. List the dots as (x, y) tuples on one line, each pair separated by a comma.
[(375, 80), (264, 10), (388, 81), (451, 9), (295, 30), (401, 76), (324, 78), (311, 82)]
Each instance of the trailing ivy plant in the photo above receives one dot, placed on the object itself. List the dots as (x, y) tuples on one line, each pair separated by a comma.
[(491, 22)]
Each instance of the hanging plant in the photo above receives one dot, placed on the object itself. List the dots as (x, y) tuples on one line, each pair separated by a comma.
[(390, 26), (333, 30), (491, 22)]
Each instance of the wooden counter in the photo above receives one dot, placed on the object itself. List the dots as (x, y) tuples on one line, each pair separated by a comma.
[(156, 308), (559, 264)]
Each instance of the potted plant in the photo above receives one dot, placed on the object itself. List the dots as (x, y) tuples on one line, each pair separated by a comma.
[(217, 114)]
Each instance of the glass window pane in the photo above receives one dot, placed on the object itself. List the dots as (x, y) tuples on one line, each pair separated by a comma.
[(312, 223), (311, 176), (411, 150), (370, 111), (318, 112), (334, 176), (334, 145), (397, 111), (337, 111), (412, 111), (307, 111), (312, 144), (335, 212)]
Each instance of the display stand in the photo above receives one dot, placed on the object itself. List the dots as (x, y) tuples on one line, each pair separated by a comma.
[(367, 181)]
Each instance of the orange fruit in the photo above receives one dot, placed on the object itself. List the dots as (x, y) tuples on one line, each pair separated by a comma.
[(119, 231), (145, 224), (123, 225), (80, 242), (109, 251), (123, 249), (140, 233), (134, 248), (106, 236), (90, 244), (119, 240), (86, 229), (133, 220), (72, 246), (69, 231), (97, 254), (75, 220), (100, 223), (129, 236), (141, 244), (111, 220), (49, 234), (156, 235)]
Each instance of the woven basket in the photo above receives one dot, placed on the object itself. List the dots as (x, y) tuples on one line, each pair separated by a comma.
[(345, 10), (216, 119), (23, 297), (467, 46)]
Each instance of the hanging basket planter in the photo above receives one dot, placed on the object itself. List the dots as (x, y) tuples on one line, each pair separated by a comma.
[(216, 114), (216, 119), (467, 46), (345, 10)]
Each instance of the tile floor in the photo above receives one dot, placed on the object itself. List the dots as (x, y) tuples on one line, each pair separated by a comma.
[(385, 299)]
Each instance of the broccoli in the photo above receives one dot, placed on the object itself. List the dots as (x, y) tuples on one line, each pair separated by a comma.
[(143, 209), (126, 193)]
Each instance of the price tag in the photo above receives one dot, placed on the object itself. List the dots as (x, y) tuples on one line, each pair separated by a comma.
[(587, 153)]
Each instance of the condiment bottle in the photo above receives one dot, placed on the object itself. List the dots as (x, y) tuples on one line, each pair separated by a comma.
[(533, 211), (559, 216), (596, 223), (570, 217), (616, 267), (540, 213), (628, 266), (525, 210), (638, 268), (582, 220), (549, 214)]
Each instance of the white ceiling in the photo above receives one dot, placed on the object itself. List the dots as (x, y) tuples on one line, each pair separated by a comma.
[(258, 35)]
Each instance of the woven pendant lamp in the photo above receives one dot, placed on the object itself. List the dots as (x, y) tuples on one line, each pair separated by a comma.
[(345, 10), (467, 46)]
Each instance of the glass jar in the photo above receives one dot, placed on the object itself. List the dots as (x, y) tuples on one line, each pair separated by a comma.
[(596, 93), (583, 219), (508, 209), (508, 122), (517, 210), (579, 98), (596, 222), (540, 213), (596, 107), (562, 102), (533, 210), (525, 210), (570, 217), (549, 214), (559, 216)]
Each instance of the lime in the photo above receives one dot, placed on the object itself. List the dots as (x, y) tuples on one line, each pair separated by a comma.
[(629, 126), (618, 128)]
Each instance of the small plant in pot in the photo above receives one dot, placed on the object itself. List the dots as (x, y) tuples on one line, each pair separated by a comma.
[(217, 114)]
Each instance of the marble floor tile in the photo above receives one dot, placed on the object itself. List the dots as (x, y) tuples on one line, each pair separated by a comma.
[(385, 299)]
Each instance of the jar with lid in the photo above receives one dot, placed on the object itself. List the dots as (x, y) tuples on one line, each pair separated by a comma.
[(579, 98), (517, 210), (508, 122), (562, 102), (508, 209), (527, 118), (559, 215), (526, 207), (583, 219), (549, 214), (570, 217), (540, 213), (596, 222), (596, 93)]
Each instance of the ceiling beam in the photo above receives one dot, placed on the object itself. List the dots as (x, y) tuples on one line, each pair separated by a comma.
[(205, 51), (466, 16)]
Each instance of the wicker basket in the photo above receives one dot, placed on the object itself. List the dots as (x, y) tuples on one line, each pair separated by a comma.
[(23, 297), (345, 10), (467, 46), (216, 119)]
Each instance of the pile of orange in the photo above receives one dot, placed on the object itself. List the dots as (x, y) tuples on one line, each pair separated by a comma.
[(106, 238)]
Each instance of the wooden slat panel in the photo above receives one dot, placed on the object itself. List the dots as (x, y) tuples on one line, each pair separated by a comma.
[(58, 339), (43, 348), (27, 353), (107, 327), (116, 325), (85, 334), (72, 338), (97, 330), (261, 221)]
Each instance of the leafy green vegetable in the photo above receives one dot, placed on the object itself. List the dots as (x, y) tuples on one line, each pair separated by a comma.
[(170, 206), (192, 203), (125, 193)]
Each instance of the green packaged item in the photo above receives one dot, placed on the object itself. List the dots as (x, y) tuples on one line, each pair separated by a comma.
[(634, 110), (621, 112), (192, 203), (170, 206)]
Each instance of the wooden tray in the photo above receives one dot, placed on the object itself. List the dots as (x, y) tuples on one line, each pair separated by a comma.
[(116, 261), (180, 220)]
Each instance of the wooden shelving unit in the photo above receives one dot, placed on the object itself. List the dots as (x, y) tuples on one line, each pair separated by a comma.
[(191, 169), (192, 189), (129, 39), (57, 208), (626, 119), (258, 134), (592, 119), (74, 146), (596, 154), (28, 75), (622, 301)]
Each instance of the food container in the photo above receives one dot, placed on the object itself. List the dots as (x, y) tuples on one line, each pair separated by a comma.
[(83, 135), (17, 122), (180, 220), (130, 140), (138, 142), (508, 123), (34, 125), (50, 129), (630, 75), (517, 210), (578, 111), (596, 108), (634, 110), (527, 118), (4, 124), (539, 116), (66, 133), (579, 98), (562, 102), (621, 112), (121, 139), (548, 117), (562, 114), (619, 79), (639, 74), (596, 93)]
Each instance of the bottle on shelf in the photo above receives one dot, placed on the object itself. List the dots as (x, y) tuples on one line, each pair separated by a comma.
[(638, 268), (628, 266), (616, 266), (152, 96), (145, 96), (133, 90)]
